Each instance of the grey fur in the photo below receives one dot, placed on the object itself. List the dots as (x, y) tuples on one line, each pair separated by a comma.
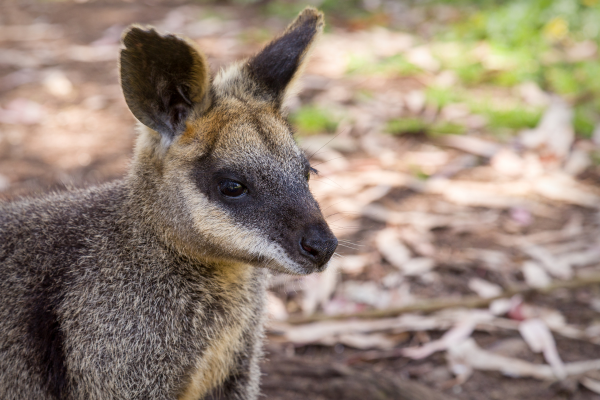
[(153, 287)]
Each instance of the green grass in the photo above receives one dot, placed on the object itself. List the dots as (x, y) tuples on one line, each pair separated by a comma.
[(311, 120), (255, 35), (414, 126), (440, 97), (506, 43), (336, 9), (401, 126), (395, 65), (584, 120), (513, 116), (491, 45)]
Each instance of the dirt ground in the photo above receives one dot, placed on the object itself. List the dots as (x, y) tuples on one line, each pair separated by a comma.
[(64, 123)]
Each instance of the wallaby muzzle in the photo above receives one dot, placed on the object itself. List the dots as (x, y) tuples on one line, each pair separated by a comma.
[(318, 244)]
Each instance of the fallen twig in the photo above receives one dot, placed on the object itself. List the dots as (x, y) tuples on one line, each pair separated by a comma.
[(428, 306)]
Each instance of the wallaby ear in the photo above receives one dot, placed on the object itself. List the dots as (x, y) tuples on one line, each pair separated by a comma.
[(164, 79), (282, 59)]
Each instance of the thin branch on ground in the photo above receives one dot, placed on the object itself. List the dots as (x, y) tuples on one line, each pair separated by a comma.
[(428, 306)]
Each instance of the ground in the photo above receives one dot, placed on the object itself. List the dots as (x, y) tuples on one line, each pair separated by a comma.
[(431, 185)]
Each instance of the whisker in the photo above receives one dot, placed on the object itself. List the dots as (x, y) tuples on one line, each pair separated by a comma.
[(335, 220), (329, 141), (332, 183), (334, 204), (323, 162), (347, 246), (330, 180), (333, 223), (343, 213), (347, 241)]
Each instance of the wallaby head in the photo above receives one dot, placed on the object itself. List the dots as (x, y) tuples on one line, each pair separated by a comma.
[(217, 172)]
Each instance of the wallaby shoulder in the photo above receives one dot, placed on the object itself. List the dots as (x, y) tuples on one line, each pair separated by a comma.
[(76, 273), (59, 223)]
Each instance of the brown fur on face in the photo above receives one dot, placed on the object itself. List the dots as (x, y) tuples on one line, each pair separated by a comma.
[(242, 131), (153, 287)]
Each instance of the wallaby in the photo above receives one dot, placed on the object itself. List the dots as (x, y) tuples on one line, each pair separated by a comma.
[(153, 287)]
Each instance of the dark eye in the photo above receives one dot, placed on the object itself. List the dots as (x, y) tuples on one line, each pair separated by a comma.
[(310, 171), (232, 188)]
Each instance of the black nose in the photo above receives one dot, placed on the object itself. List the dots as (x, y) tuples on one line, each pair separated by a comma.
[(318, 244)]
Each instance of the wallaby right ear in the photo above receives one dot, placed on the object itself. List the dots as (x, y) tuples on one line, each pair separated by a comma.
[(164, 79), (282, 60)]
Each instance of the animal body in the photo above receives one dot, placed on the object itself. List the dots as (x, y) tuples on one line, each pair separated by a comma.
[(152, 287)]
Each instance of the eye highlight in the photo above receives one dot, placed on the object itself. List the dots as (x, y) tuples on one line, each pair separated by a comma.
[(231, 188)]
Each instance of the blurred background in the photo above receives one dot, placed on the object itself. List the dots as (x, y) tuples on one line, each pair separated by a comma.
[(457, 144)]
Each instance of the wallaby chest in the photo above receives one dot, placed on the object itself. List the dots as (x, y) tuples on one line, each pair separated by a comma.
[(237, 316)]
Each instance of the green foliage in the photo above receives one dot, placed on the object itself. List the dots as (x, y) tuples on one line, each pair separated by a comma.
[(362, 95), (529, 23), (332, 8), (471, 74), (490, 45), (513, 117), (284, 10), (256, 35), (312, 119), (394, 65), (447, 128), (561, 80), (343, 9), (440, 97), (522, 35), (595, 157), (584, 120), (401, 126), (412, 126), (509, 42)]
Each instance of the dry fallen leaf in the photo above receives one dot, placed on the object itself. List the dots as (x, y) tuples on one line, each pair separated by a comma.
[(422, 57), (392, 249), (591, 384), (22, 111), (276, 308), (317, 289), (454, 336), (57, 84), (471, 144), (31, 32), (364, 342), (538, 337), (415, 101), (554, 131), (551, 264), (535, 275), (508, 163), (352, 264), (468, 355), (562, 187)]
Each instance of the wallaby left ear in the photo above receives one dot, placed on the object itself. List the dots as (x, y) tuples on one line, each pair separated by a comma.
[(276, 66), (164, 79)]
